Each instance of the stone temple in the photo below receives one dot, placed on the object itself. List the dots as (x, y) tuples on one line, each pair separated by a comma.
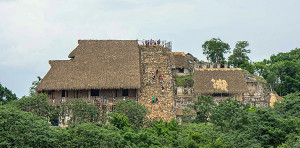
[(106, 71)]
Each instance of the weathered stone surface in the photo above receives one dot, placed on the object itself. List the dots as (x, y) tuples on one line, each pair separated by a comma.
[(152, 59), (259, 93)]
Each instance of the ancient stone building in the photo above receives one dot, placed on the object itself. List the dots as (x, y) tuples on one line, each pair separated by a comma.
[(105, 71), (220, 83), (180, 64), (259, 93), (97, 69)]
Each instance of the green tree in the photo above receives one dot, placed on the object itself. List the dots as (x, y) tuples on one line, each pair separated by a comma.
[(36, 104), (81, 112), (261, 68), (249, 66), (289, 106), (92, 135), (239, 56), (270, 128), (215, 49), (230, 114), (23, 129), (201, 135), (119, 121), (135, 112), (6, 95), (163, 127), (203, 107), (292, 141), (34, 84), (282, 71)]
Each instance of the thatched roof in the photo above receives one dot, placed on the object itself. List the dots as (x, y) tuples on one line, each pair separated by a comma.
[(231, 78), (191, 57), (179, 60), (97, 64)]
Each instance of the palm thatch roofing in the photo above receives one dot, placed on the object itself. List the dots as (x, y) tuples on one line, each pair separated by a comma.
[(191, 57), (179, 60), (96, 64), (232, 77)]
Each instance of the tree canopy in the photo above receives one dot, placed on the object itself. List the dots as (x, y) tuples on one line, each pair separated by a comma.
[(282, 71), (228, 124), (6, 95), (214, 49), (239, 55), (203, 108), (135, 112), (34, 84)]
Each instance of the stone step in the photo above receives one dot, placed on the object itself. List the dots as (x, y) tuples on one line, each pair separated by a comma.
[(152, 59)]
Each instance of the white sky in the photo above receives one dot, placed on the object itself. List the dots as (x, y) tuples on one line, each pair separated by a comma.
[(35, 31)]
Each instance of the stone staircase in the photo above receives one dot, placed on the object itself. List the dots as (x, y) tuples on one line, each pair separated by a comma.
[(152, 59)]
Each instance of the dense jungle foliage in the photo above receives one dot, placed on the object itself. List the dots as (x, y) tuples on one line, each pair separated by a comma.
[(282, 71), (26, 123), (6, 95)]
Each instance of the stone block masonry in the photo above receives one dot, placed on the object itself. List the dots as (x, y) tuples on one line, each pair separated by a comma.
[(153, 59)]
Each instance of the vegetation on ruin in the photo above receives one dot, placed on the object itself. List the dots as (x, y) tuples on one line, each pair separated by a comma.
[(281, 71), (185, 81)]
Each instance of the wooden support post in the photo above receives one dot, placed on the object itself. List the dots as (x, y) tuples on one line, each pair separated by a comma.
[(136, 94)]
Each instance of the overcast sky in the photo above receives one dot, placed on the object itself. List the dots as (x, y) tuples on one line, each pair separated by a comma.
[(35, 31)]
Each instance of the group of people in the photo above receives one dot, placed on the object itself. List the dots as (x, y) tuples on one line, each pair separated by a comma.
[(161, 80), (62, 100), (136, 99), (97, 100), (153, 42), (154, 99)]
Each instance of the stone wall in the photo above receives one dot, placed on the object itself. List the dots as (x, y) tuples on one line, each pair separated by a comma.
[(181, 91), (157, 58), (258, 91)]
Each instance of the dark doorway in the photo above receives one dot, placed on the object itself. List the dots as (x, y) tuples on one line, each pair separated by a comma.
[(63, 93), (95, 92), (125, 92), (181, 70)]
